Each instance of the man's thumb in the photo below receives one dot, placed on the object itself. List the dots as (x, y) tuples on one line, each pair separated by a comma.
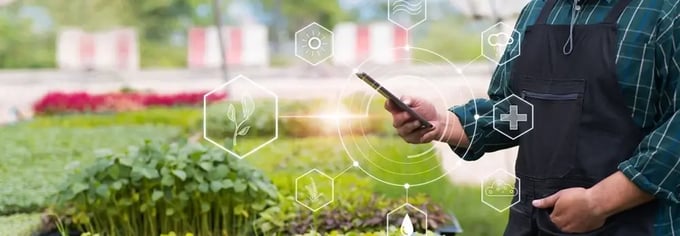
[(546, 202), (407, 100)]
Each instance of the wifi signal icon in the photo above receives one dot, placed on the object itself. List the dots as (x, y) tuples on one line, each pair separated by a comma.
[(407, 14)]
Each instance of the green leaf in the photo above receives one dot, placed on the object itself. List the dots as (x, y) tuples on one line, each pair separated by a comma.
[(244, 131), (207, 166), (180, 174), (205, 207), (231, 113), (156, 195), (117, 185), (216, 186), (169, 212), (204, 187), (167, 180), (103, 190), (78, 187), (227, 184), (240, 186)]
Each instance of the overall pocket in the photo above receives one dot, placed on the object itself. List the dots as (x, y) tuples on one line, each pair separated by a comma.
[(549, 150)]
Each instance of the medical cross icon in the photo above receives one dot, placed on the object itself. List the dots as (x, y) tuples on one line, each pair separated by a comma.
[(514, 117)]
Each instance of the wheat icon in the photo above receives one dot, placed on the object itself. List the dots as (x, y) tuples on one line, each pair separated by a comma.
[(247, 110), (312, 192)]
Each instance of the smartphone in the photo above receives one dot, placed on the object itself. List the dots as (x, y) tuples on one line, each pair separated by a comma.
[(424, 124)]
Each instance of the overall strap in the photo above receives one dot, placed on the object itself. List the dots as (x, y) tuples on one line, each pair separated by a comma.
[(616, 11), (545, 12)]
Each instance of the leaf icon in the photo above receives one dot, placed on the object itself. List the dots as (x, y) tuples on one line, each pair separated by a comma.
[(231, 113), (244, 131), (248, 106)]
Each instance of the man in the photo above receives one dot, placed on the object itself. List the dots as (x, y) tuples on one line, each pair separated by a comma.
[(604, 155)]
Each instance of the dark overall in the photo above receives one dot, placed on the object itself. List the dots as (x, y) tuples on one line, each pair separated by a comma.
[(582, 126)]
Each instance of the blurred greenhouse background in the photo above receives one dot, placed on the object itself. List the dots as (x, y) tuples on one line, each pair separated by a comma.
[(80, 76)]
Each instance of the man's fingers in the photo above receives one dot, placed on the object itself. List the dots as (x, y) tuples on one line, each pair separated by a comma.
[(400, 119), (547, 202), (430, 136), (389, 106)]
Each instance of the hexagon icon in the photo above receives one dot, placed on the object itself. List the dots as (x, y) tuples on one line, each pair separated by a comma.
[(499, 37), (404, 219), (499, 192), (407, 14), (513, 117), (314, 190), (227, 125), (314, 44)]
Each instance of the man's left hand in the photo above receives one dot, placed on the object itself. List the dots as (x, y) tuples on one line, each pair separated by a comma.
[(575, 210)]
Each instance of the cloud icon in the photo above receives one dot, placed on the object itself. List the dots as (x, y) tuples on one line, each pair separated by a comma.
[(500, 40)]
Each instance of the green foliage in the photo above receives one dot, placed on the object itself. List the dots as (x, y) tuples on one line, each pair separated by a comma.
[(22, 48), (19, 224), (182, 117), (451, 40), (161, 188), (35, 160)]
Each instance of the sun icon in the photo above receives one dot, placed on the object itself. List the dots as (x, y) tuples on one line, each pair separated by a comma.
[(314, 43)]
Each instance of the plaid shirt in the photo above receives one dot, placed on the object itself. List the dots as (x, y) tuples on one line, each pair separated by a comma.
[(648, 64)]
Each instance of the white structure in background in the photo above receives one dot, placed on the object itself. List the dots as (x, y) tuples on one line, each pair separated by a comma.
[(5, 2), (245, 46), (354, 43), (109, 50), (505, 11)]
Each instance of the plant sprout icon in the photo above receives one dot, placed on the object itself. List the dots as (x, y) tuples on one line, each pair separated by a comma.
[(406, 228), (312, 192), (247, 107)]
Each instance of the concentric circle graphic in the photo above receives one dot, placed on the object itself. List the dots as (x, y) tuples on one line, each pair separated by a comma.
[(364, 139)]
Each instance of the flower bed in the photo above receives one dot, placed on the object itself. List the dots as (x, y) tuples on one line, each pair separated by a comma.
[(82, 102)]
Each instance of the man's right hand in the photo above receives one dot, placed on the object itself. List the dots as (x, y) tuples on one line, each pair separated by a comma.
[(409, 128)]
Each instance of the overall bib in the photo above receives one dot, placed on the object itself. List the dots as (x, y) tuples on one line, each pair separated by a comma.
[(582, 126)]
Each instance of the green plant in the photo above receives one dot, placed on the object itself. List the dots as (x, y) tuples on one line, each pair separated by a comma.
[(35, 160), (162, 188)]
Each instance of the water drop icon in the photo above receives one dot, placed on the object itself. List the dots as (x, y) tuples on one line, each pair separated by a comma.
[(406, 226)]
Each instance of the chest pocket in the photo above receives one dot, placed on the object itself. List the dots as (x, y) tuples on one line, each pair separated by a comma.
[(557, 108)]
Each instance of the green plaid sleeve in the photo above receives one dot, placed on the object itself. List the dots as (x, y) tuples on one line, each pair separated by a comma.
[(655, 167)]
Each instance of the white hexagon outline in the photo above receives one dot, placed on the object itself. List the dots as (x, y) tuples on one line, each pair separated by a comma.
[(519, 190), (332, 190), (389, 16), (503, 132), (387, 217), (332, 44), (276, 116), (484, 43)]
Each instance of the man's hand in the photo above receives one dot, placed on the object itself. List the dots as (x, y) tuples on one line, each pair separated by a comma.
[(575, 211), (578, 210), (409, 128)]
